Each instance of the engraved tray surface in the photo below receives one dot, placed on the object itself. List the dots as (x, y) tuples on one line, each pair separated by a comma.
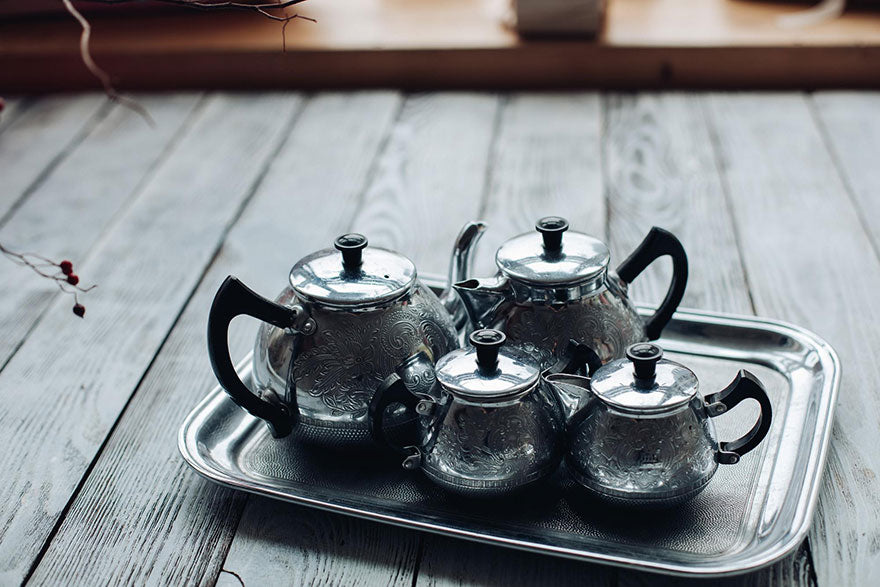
[(750, 515)]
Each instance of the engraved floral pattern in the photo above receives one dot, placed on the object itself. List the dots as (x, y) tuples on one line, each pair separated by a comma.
[(351, 353), (653, 456), (604, 321)]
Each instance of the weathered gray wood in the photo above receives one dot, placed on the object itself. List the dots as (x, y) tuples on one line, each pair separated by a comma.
[(661, 170), (65, 388), (74, 204), (180, 525), (851, 124), (430, 178), (546, 162), (33, 142), (285, 544), (13, 108), (809, 261)]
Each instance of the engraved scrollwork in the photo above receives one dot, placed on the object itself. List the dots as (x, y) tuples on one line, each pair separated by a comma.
[(350, 354)]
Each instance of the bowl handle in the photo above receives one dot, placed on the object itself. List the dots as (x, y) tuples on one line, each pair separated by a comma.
[(745, 386)]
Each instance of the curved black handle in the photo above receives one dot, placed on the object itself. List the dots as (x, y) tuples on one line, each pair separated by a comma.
[(234, 299), (658, 243), (743, 387), (577, 357), (390, 391)]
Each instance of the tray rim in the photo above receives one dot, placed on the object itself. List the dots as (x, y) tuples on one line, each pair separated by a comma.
[(807, 499)]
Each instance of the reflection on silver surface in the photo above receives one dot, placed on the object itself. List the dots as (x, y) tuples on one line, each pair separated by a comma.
[(747, 517)]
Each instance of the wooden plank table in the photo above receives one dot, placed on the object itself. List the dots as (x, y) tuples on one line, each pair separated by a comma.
[(775, 196)]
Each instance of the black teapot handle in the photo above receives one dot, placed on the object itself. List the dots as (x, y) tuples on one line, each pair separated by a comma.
[(745, 386), (236, 299), (392, 390), (578, 357), (657, 244)]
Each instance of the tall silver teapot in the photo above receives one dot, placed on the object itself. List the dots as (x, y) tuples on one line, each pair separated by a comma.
[(349, 316), (553, 286)]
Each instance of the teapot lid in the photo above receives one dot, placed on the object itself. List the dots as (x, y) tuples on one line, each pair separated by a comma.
[(359, 276), (644, 382), (488, 370), (546, 257)]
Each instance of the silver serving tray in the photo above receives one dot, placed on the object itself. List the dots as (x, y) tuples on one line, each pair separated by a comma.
[(750, 515)]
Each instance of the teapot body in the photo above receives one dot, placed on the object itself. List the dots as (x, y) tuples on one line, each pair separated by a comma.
[(492, 449), (662, 459), (328, 377), (603, 319)]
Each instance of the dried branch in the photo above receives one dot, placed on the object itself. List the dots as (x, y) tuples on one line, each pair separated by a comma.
[(60, 273), (258, 6)]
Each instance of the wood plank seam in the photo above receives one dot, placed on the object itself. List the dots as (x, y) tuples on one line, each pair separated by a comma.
[(136, 193), (841, 172), (725, 190), (109, 435), (252, 189), (78, 138), (728, 202), (503, 101)]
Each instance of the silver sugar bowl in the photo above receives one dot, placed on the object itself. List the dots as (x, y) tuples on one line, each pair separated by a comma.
[(349, 317), (553, 286), (490, 426), (644, 436)]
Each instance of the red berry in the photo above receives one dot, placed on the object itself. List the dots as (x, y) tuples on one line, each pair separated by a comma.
[(73, 279), (79, 310), (66, 267)]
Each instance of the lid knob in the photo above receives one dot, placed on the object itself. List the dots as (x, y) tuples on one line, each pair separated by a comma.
[(551, 228), (351, 246), (487, 342), (644, 357)]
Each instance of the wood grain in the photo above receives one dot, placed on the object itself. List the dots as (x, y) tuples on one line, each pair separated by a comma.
[(851, 124), (31, 144), (451, 44), (325, 158), (430, 178), (661, 170), (546, 162), (13, 107), (75, 203), (810, 262), (65, 388), (284, 544)]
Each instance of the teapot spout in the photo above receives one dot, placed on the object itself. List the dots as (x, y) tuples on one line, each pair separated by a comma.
[(485, 300), (573, 392), (459, 269)]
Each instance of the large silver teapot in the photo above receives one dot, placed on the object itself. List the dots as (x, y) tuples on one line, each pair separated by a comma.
[(554, 286), (643, 434), (491, 424), (349, 316)]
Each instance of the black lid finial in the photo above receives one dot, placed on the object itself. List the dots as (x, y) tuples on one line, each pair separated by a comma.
[(487, 342), (644, 357), (351, 245), (551, 228)]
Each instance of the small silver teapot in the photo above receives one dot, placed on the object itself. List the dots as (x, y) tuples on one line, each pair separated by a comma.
[(349, 317), (643, 435), (491, 424), (552, 287)]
